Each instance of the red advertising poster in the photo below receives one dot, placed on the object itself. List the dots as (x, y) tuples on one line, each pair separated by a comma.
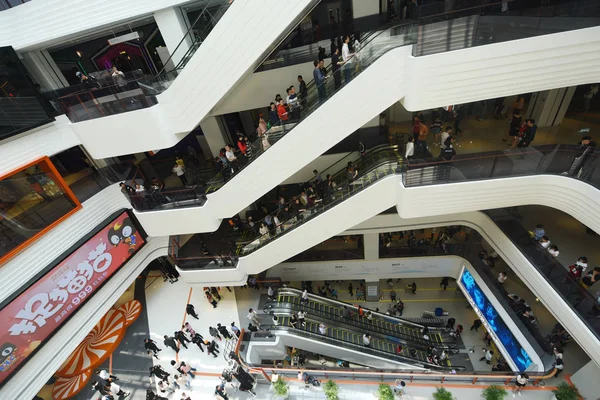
[(40, 310)]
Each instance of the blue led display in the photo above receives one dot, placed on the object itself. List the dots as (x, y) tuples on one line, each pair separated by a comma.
[(512, 346)]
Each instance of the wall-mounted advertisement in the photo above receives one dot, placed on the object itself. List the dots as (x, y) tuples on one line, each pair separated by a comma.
[(32, 317), (486, 310)]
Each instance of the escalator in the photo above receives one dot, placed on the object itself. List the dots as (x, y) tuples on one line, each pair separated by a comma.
[(346, 337), (382, 55), (404, 330)]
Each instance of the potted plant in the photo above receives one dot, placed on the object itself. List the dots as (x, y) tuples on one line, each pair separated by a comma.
[(443, 394), (564, 391), (331, 390), (282, 390), (494, 392), (384, 392)]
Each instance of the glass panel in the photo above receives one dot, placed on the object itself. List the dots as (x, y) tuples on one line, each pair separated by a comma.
[(584, 299), (578, 162), (503, 21), (21, 106), (32, 200), (380, 162)]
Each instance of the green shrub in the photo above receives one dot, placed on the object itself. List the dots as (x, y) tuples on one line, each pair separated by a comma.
[(442, 394), (280, 387), (331, 390), (494, 392), (384, 392), (564, 391)]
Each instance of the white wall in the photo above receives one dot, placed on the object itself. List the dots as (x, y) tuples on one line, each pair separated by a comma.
[(46, 140), (260, 88), (547, 190), (173, 28), (503, 69), (41, 24), (413, 267), (239, 41), (26, 383)]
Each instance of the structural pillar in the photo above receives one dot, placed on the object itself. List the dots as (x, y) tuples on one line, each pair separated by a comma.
[(215, 136), (371, 246), (549, 107), (44, 70), (173, 27), (372, 290)]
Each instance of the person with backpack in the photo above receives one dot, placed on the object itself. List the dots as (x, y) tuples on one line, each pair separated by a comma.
[(447, 153)]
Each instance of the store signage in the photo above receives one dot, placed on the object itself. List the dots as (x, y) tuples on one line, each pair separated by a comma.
[(37, 313), (489, 314), (124, 38)]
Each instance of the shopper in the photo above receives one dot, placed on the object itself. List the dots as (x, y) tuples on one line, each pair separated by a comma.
[(180, 172), (521, 382), (106, 376), (223, 331), (487, 357), (476, 325), (170, 342), (319, 82), (253, 317), (347, 60), (529, 135), (502, 277), (182, 381), (150, 345), (323, 329), (214, 333), (184, 368), (210, 299), (191, 311), (198, 340), (301, 316), (367, 340), (212, 347), (156, 370), (182, 338), (235, 329)]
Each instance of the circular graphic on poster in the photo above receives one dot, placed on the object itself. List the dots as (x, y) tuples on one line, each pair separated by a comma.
[(132, 310), (97, 345), (65, 388)]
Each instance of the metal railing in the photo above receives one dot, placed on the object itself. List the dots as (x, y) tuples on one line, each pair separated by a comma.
[(383, 375)]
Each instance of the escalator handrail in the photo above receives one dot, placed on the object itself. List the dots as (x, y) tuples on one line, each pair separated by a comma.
[(342, 304), (337, 177), (378, 353), (368, 153), (188, 33), (270, 239), (364, 326)]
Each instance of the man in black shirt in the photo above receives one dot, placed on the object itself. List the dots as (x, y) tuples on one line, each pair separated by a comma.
[(335, 67), (302, 92)]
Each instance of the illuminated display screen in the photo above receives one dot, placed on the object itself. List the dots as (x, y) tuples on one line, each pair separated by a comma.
[(32, 317), (510, 343)]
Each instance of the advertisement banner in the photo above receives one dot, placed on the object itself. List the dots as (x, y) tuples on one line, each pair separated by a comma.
[(32, 317)]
